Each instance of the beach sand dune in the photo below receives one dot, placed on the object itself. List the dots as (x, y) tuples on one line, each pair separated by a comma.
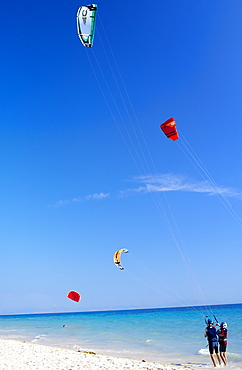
[(16, 355)]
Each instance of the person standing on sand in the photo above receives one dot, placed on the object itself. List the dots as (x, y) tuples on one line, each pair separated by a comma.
[(211, 335), (222, 334)]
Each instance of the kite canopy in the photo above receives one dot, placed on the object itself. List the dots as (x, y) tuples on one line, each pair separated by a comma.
[(86, 20), (117, 257), (169, 129), (74, 296)]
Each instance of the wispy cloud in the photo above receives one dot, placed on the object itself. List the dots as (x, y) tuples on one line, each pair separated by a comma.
[(171, 182), (61, 203), (161, 183), (86, 198), (97, 196)]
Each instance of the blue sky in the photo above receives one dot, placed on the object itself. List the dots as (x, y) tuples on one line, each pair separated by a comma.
[(86, 170)]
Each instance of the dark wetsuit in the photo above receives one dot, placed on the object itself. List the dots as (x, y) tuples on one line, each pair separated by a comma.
[(212, 339)]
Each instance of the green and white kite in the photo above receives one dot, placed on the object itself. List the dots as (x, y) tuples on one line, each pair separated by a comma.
[(86, 20)]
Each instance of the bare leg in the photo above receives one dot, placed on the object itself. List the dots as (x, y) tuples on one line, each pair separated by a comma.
[(219, 358), (213, 359), (224, 358)]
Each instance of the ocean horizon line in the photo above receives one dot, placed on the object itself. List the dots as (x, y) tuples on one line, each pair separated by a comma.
[(119, 309)]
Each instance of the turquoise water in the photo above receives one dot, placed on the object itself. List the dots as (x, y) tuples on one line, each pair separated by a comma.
[(167, 335)]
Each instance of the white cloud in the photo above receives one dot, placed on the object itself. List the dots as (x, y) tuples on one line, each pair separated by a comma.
[(97, 196), (61, 203), (94, 196), (162, 183), (170, 182)]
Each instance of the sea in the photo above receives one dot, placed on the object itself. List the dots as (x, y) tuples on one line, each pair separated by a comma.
[(166, 335)]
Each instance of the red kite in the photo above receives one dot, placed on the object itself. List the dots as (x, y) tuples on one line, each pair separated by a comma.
[(74, 296), (169, 129)]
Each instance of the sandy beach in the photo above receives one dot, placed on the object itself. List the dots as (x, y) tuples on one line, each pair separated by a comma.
[(16, 355)]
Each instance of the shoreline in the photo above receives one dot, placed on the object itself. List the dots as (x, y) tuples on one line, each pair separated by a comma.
[(22, 355)]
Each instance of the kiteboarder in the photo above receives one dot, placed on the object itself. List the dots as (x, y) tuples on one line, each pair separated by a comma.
[(222, 334), (211, 335)]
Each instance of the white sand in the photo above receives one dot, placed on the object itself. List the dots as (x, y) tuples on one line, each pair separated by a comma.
[(16, 355)]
